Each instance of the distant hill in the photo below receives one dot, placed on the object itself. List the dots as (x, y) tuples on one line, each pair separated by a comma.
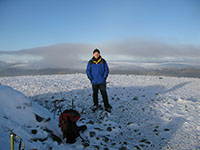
[(173, 72)]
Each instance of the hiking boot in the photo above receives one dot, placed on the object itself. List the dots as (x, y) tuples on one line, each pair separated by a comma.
[(108, 108)]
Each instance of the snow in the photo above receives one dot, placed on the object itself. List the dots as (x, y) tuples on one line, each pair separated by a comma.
[(17, 114), (148, 112)]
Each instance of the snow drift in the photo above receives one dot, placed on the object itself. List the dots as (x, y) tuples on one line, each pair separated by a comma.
[(21, 116)]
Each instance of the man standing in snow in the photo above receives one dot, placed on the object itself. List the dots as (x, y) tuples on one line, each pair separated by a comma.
[(97, 72)]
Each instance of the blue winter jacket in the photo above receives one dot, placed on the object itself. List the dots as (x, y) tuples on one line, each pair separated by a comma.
[(97, 70)]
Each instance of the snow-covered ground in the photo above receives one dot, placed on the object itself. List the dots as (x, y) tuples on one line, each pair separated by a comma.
[(149, 113)]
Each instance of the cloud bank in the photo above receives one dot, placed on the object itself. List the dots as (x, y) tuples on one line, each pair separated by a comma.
[(148, 50), (75, 55)]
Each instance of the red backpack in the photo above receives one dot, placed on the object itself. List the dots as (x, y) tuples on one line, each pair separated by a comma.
[(67, 117)]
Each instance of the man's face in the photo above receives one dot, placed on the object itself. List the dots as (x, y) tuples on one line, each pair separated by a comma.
[(96, 55)]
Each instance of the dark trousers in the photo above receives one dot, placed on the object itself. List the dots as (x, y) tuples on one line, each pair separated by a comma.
[(102, 88)]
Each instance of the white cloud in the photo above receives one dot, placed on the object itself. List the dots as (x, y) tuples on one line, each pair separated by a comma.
[(152, 50), (16, 58), (72, 55)]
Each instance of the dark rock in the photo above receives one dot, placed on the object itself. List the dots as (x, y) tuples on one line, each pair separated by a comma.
[(166, 129), (123, 148), (85, 144), (109, 129), (90, 122), (145, 141), (96, 146), (38, 139), (47, 120), (99, 129), (34, 131), (137, 147), (105, 139), (38, 118), (92, 133), (5, 117)]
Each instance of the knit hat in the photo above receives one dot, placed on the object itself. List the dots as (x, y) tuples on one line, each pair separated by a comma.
[(96, 50)]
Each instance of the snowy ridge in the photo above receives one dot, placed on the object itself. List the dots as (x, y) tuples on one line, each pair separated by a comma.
[(148, 112)]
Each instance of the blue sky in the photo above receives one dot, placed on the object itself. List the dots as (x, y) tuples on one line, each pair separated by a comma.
[(35, 23)]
